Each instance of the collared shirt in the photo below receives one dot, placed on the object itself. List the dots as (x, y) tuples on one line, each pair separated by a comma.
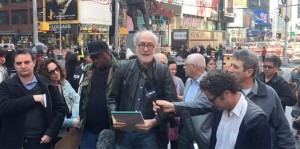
[(193, 89), (230, 123), (31, 84)]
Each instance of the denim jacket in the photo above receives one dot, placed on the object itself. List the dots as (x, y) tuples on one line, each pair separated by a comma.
[(72, 101)]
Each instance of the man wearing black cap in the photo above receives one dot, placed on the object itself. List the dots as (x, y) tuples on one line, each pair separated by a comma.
[(3, 70), (93, 111)]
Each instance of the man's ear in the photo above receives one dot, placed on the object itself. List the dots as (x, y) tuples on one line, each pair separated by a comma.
[(250, 72)]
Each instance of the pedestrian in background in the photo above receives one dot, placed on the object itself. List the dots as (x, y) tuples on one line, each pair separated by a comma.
[(278, 83), (263, 54), (3, 70)]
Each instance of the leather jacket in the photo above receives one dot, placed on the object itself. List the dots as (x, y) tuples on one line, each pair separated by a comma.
[(126, 89)]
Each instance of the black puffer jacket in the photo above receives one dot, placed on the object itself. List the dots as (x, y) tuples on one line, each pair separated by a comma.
[(282, 89)]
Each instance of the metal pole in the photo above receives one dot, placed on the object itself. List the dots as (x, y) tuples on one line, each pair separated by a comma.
[(35, 29), (60, 31), (286, 19), (116, 25)]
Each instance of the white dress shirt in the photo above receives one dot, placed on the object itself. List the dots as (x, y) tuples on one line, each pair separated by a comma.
[(229, 125)]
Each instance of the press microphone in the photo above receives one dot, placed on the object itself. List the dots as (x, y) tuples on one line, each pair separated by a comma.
[(106, 139), (188, 126)]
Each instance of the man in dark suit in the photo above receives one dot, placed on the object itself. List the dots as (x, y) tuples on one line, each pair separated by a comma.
[(132, 6)]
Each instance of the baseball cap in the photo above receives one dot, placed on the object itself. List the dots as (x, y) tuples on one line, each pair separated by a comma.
[(2, 52), (97, 46)]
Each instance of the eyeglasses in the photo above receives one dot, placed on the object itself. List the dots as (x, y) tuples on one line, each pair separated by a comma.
[(143, 45), (213, 99), (52, 72), (269, 67)]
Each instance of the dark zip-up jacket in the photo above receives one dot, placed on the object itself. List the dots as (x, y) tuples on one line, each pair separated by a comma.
[(14, 104), (254, 132), (282, 89)]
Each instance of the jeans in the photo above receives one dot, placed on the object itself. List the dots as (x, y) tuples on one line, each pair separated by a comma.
[(88, 140), (139, 140)]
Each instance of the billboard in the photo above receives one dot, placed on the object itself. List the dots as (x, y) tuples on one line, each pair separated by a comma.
[(197, 7), (68, 9), (261, 17), (228, 8), (95, 12)]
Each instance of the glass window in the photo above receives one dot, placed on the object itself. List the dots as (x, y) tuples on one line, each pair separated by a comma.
[(17, 1), (4, 18), (39, 14), (19, 16), (3, 1)]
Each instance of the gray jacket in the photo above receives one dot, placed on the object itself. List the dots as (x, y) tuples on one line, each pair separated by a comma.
[(201, 122), (266, 98)]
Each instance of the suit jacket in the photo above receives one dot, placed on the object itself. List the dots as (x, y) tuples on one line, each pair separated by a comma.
[(202, 123)]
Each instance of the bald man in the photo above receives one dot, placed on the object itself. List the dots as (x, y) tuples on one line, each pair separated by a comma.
[(160, 57), (193, 97)]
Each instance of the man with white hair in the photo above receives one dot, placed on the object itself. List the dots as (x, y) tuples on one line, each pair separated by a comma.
[(137, 83), (161, 58)]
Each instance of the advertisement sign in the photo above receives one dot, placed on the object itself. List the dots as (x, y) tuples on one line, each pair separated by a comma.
[(95, 12), (68, 9), (197, 7), (239, 3), (228, 8), (262, 17)]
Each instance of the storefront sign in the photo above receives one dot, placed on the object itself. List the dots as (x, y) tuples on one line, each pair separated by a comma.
[(200, 35), (93, 28), (65, 28), (157, 9), (180, 35), (190, 21)]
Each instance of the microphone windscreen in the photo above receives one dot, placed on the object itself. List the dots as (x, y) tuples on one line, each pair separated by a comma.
[(106, 139), (188, 125)]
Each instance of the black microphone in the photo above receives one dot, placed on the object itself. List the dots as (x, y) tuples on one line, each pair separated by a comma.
[(151, 93), (106, 139)]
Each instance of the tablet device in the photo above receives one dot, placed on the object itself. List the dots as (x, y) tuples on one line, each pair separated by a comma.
[(131, 118)]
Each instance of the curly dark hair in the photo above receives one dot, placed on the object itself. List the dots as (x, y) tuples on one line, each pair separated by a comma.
[(43, 69), (218, 81)]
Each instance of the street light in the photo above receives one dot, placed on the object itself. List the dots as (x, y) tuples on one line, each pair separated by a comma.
[(35, 29), (286, 19)]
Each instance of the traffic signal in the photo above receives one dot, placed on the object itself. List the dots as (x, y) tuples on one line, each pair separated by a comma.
[(280, 12), (278, 35), (51, 15)]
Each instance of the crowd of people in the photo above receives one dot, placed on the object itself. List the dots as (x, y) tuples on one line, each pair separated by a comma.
[(50, 98)]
